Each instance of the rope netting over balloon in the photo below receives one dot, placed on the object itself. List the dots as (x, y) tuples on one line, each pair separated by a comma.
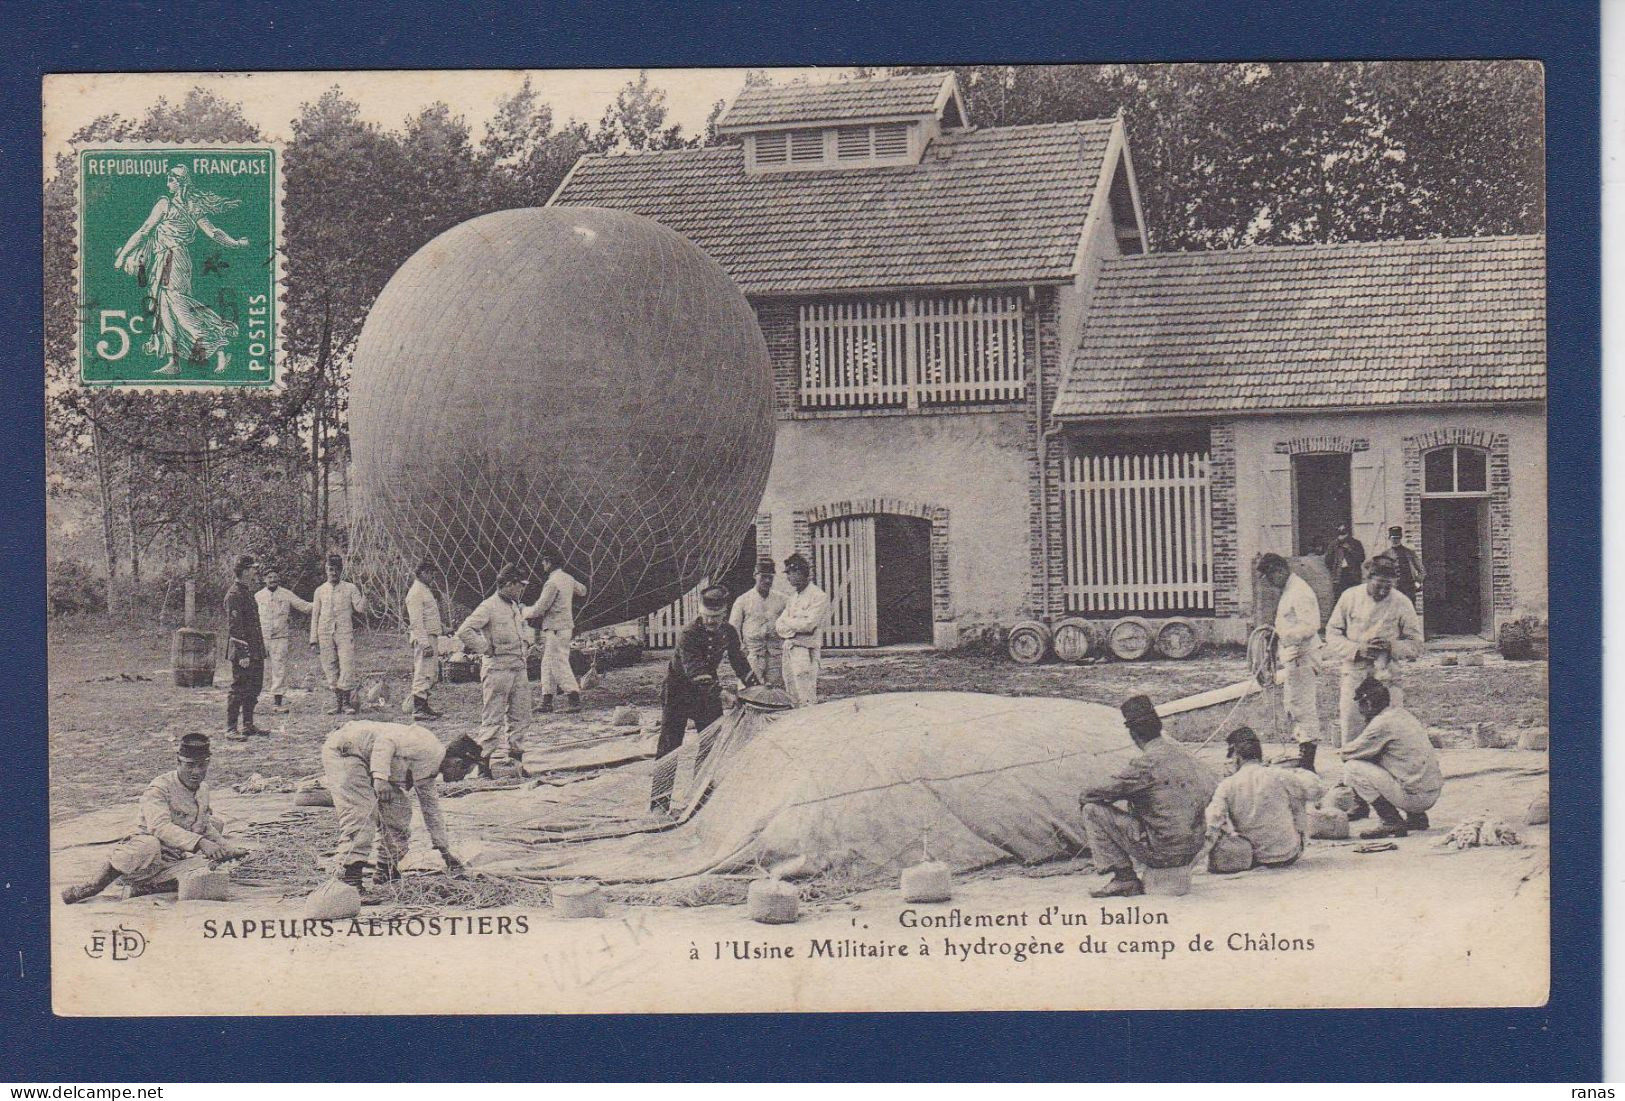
[(576, 381)]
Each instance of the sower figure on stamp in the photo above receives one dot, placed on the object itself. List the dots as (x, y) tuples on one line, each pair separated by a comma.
[(692, 690), (159, 255), (1371, 631), (274, 602), (424, 629), (245, 650), (754, 615), (554, 616), (496, 630), (175, 832), (1259, 812), (801, 626), (1297, 627), (1391, 765), (1166, 792), (335, 604), (372, 769)]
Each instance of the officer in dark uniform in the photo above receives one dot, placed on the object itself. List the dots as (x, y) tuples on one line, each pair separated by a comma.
[(692, 690), (245, 650)]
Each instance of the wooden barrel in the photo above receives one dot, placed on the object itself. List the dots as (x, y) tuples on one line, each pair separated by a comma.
[(1029, 642), (1131, 638), (191, 656), (1178, 639), (1073, 639)]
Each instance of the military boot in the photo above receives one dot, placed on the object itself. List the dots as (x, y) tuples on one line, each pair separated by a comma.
[(1306, 755), (1123, 884), (1393, 822), (547, 704), (575, 701), (91, 887), (422, 710), (338, 701), (352, 874)]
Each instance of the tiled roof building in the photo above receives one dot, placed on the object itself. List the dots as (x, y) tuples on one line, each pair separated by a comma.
[(995, 403), (1383, 323)]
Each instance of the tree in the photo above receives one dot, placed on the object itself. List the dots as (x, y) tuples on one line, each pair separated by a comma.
[(1239, 154), (637, 120)]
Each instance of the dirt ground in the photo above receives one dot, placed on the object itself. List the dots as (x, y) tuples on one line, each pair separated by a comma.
[(115, 714)]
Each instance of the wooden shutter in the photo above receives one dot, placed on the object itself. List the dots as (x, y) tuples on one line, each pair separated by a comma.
[(1369, 500), (844, 567), (1275, 527)]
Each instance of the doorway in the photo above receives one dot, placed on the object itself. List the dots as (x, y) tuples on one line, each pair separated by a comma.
[(1321, 499), (877, 572), (1455, 535), (902, 579)]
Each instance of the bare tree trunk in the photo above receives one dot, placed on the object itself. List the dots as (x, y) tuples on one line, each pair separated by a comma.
[(103, 480), (129, 522)]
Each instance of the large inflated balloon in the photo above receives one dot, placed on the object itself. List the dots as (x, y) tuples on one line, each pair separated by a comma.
[(569, 378)]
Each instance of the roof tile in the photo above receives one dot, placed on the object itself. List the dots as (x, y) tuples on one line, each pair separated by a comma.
[(1381, 323), (982, 207), (787, 104)]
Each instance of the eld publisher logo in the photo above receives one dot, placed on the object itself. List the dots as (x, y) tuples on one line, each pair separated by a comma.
[(118, 944)]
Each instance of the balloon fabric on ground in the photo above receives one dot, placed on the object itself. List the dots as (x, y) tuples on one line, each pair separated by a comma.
[(855, 786), (568, 378)]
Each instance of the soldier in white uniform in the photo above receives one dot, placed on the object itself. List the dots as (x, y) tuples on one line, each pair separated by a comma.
[(424, 627), (175, 832), (554, 616), (335, 605), (754, 616), (372, 770), (1297, 625), (801, 626), (497, 631), (274, 602), (1373, 629)]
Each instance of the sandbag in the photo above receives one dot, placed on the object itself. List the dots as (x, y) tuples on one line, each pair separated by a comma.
[(1328, 823), (928, 882), (313, 797), (203, 886), (1340, 797), (772, 902), (1231, 853), (333, 901), (578, 900), (1539, 812), (1171, 882)]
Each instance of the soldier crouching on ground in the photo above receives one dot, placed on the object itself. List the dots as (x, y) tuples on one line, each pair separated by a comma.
[(370, 768), (175, 832), (1164, 792)]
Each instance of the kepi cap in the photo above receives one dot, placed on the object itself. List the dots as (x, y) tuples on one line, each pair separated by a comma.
[(1396, 530), (194, 747), (767, 566), (714, 598)]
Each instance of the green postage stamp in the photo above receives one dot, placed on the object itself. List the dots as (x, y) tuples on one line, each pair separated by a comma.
[(178, 268)]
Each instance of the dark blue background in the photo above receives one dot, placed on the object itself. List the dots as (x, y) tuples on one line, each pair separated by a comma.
[(1561, 1042)]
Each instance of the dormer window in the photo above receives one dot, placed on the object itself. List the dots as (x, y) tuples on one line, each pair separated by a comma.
[(840, 146), (843, 124)]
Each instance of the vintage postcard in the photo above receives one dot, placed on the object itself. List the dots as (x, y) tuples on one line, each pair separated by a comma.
[(887, 539)]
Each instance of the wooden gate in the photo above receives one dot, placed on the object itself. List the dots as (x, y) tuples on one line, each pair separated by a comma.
[(844, 567), (661, 629), (1137, 532)]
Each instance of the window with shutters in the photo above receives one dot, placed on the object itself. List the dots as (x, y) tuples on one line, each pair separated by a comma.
[(1136, 526), (806, 146), (843, 146), (772, 148), (912, 352), (891, 140)]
